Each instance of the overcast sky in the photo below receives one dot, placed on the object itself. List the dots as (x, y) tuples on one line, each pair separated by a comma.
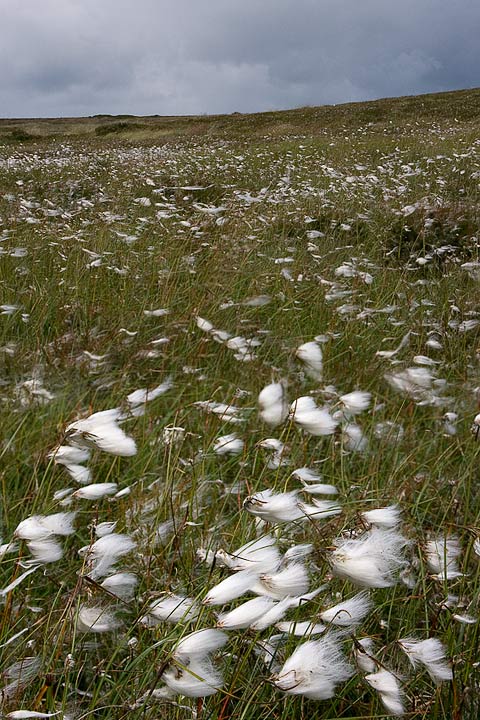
[(169, 57)]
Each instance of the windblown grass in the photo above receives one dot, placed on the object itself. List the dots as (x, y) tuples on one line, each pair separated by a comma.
[(358, 224)]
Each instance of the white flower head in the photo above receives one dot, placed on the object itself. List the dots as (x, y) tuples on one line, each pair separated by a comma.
[(232, 587), (199, 644), (314, 669), (311, 355), (228, 445), (314, 420), (292, 580), (246, 614), (101, 431), (372, 560), (96, 491), (199, 679), (260, 555), (273, 404), (385, 517), (96, 619), (172, 608), (122, 585), (356, 402), (349, 613), (364, 656), (442, 555), (431, 654), (388, 687)]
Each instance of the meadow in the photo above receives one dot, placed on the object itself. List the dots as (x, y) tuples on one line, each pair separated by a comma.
[(240, 390)]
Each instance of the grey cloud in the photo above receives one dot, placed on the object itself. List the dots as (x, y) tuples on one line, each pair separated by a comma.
[(81, 57)]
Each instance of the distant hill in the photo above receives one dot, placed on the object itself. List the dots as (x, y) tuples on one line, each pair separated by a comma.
[(461, 106)]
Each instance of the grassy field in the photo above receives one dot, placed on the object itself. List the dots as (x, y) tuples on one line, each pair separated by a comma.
[(196, 256)]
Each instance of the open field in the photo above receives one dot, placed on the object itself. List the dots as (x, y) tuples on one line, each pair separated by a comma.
[(328, 254)]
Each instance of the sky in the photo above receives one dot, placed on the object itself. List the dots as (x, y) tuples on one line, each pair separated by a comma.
[(64, 58)]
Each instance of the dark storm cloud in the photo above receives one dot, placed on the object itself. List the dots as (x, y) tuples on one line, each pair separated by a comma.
[(81, 57)]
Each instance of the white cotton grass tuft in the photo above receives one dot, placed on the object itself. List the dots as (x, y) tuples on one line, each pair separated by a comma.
[(441, 555), (314, 669), (310, 481), (364, 655), (25, 714), (292, 580), (96, 491), (372, 560), (96, 619), (356, 402), (277, 457), (301, 629), (286, 507), (101, 556), (349, 613), (39, 527), (195, 675), (45, 551), (385, 517), (311, 356), (280, 608), (309, 417), (199, 644), (145, 395), (101, 431), (431, 654), (261, 555), (69, 455), (273, 404), (197, 679), (274, 507), (122, 584), (19, 675), (231, 588), (297, 552), (389, 690), (105, 528), (79, 473), (246, 614), (228, 445), (225, 413), (172, 608), (353, 439)]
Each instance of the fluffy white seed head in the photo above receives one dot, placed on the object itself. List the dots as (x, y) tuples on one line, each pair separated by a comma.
[(199, 679), (431, 654), (293, 580), (386, 517), (314, 669), (349, 613), (96, 619), (260, 555), (228, 445), (273, 404), (173, 608), (122, 585), (244, 615), (356, 402), (96, 491), (314, 420), (442, 555), (372, 560), (388, 687), (199, 644), (232, 587), (311, 355)]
